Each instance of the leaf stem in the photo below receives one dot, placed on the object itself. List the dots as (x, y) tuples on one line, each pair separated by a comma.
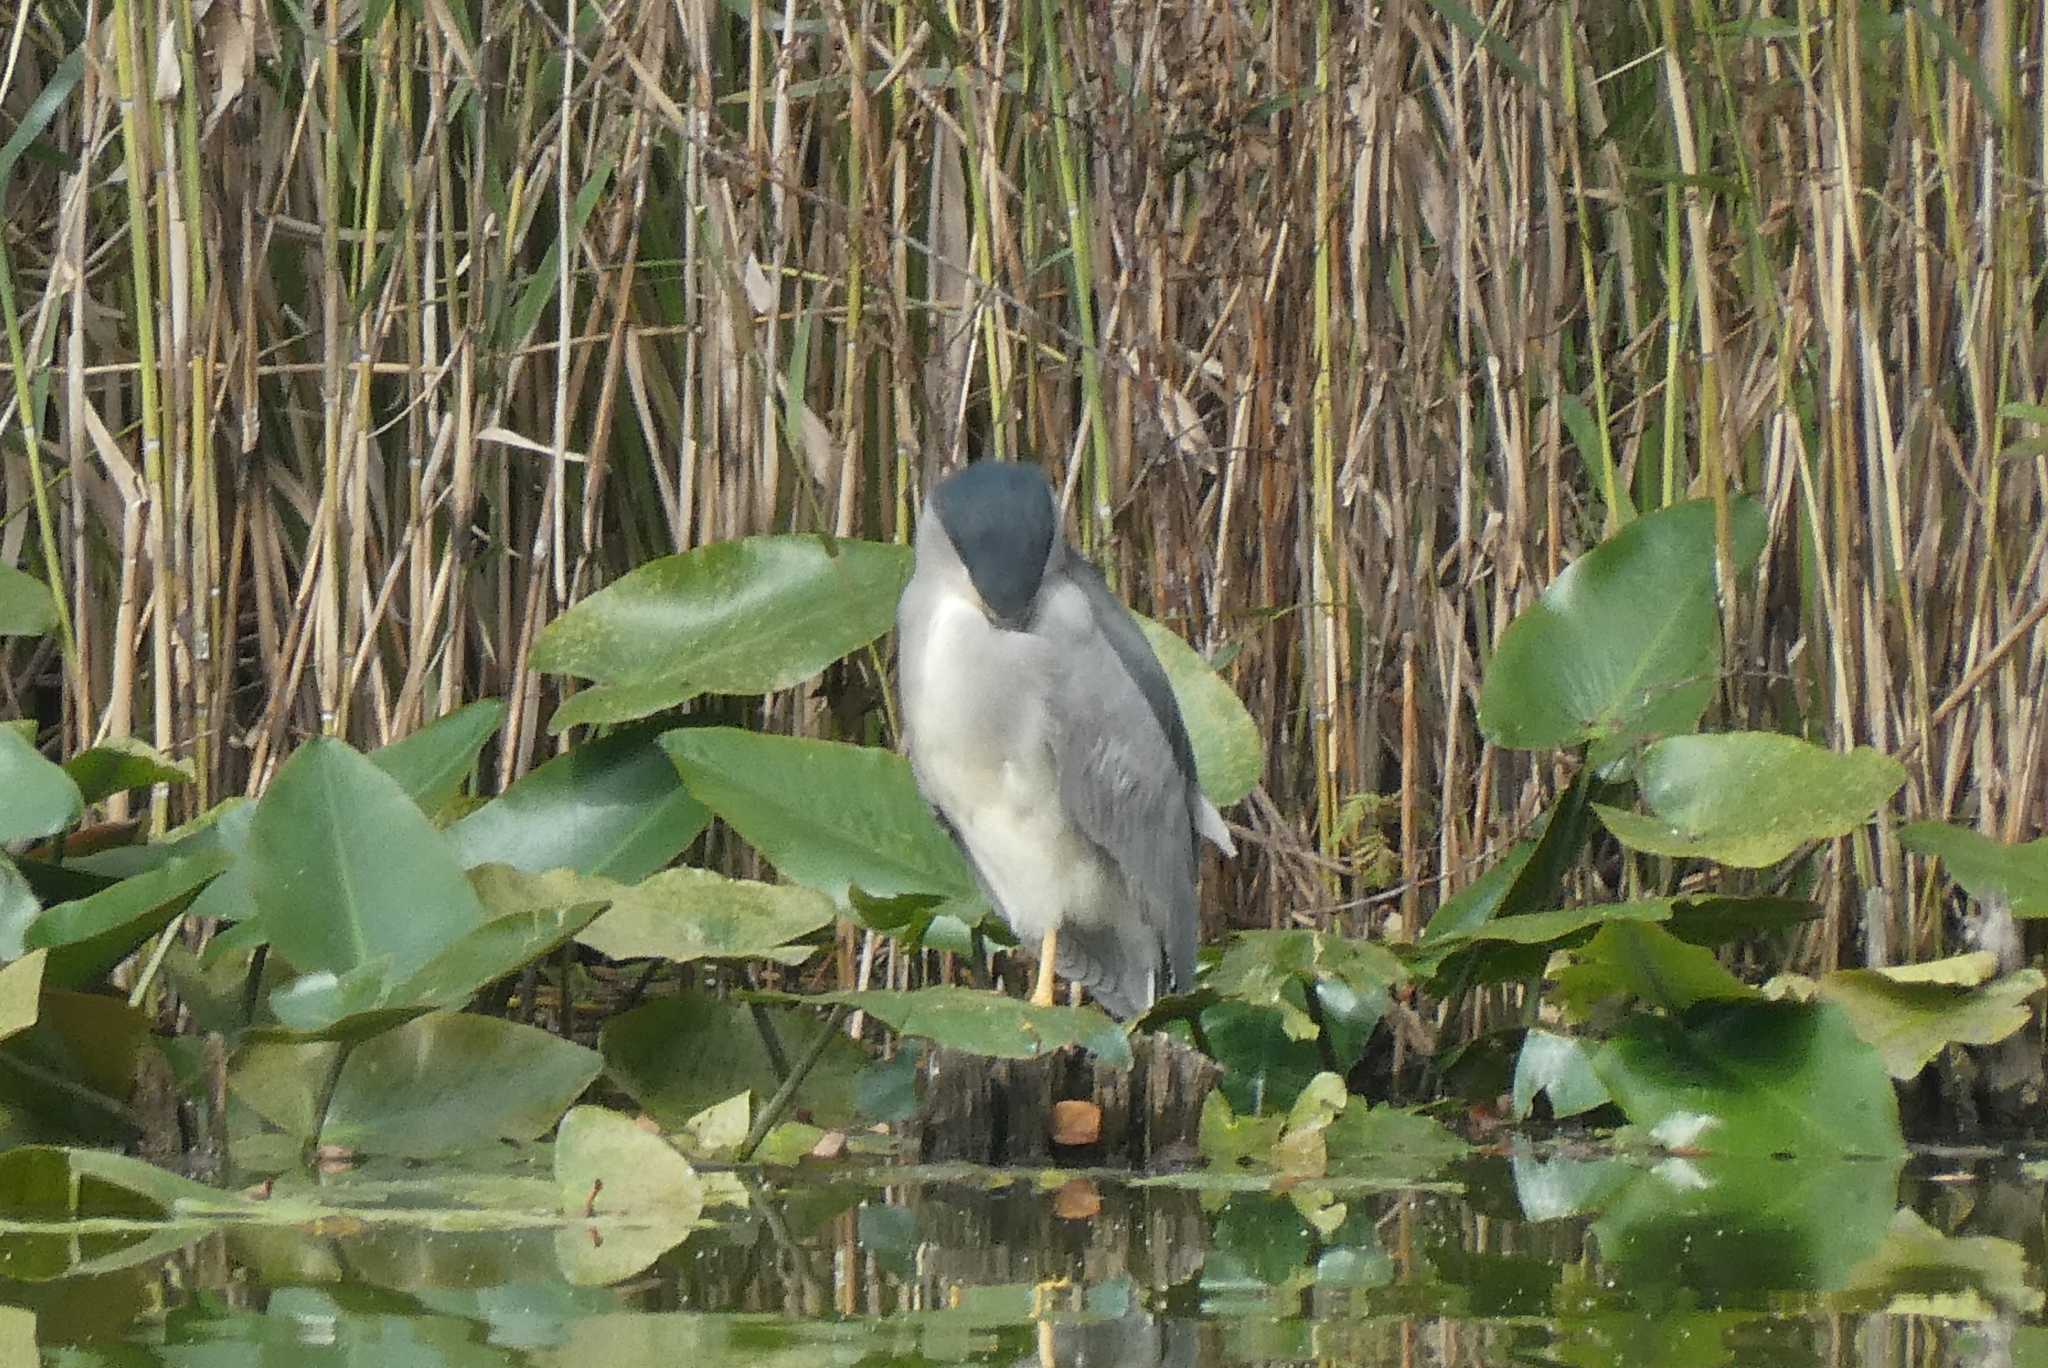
[(786, 1094)]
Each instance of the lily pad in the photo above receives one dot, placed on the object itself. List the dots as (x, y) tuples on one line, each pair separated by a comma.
[(122, 764), (988, 1023), (1749, 799), (346, 871), (611, 807), (826, 815), (37, 798), (692, 914), (1626, 642), (638, 1198), (1987, 869), (1755, 1078), (1229, 752), (1915, 1258), (433, 763), (1909, 1018), (748, 616), (450, 1081)]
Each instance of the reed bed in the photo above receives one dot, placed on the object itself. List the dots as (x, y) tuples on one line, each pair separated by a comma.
[(348, 344)]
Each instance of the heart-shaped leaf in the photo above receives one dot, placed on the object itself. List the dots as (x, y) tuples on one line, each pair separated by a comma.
[(1755, 1078), (826, 815), (1626, 642), (347, 871), (122, 764), (26, 608), (691, 914), (1749, 799), (1987, 869), (742, 617), (987, 1023), (37, 798), (611, 807), (677, 1056), (1909, 1017), (1229, 752), (636, 1196), (432, 764)]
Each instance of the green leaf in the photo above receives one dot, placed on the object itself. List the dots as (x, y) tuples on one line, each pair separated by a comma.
[(1258, 965), (679, 1055), (346, 871), (37, 798), (1909, 1019), (98, 1043), (612, 807), (748, 616), (1915, 1259), (1740, 1230), (1229, 752), (18, 910), (122, 764), (1749, 799), (47, 1184), (1560, 1067), (1989, 870), (26, 608), (1628, 959), (985, 1023), (1754, 1078), (692, 914), (88, 937), (1227, 1139), (886, 1090), (1626, 643), (1393, 1145), (1716, 919), (826, 815), (21, 989), (640, 1198), (433, 763), (451, 1081)]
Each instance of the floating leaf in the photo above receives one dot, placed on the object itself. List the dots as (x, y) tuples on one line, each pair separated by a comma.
[(612, 807), (1987, 869), (1756, 1078), (21, 988), (691, 914), (26, 607), (679, 1055), (1393, 1145), (1915, 1257), (122, 764), (1910, 1015), (37, 798), (1751, 798), (1636, 960), (452, 1081), (638, 1196), (985, 1023), (1560, 1068), (1741, 1229), (432, 764), (1626, 642), (748, 616), (346, 870), (826, 815), (1229, 752)]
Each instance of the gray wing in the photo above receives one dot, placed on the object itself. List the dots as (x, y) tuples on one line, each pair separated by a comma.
[(1127, 783)]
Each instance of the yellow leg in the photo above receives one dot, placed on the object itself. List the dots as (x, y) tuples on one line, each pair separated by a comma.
[(1042, 994)]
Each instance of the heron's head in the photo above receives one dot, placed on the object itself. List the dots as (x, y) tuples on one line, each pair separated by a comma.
[(1000, 520)]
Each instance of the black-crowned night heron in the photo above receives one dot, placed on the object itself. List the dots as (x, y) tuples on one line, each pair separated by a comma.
[(1044, 733)]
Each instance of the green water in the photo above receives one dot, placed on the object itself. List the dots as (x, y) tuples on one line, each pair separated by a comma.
[(1537, 1257)]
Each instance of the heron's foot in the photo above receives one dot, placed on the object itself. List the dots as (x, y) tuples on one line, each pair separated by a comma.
[(1041, 994)]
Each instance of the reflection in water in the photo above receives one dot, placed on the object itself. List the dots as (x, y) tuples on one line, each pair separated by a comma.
[(1538, 1258)]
